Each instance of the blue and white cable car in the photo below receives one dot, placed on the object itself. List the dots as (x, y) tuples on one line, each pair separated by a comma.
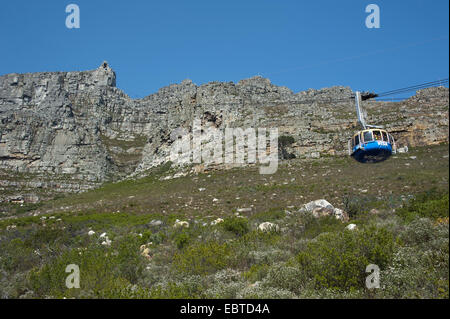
[(372, 144)]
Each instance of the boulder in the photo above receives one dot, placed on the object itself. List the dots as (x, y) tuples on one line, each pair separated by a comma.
[(268, 226), (321, 207), (217, 221), (244, 210), (106, 242), (181, 223), (155, 223)]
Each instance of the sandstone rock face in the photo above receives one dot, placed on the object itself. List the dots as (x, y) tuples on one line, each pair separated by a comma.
[(71, 131)]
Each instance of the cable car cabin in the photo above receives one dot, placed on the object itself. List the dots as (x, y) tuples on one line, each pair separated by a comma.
[(371, 145)]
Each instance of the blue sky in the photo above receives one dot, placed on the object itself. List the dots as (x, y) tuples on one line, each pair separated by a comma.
[(298, 44)]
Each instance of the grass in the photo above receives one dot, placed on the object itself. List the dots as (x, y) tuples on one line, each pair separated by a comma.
[(407, 235)]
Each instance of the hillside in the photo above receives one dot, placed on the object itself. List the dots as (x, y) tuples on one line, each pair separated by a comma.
[(124, 235), (72, 131), (86, 178)]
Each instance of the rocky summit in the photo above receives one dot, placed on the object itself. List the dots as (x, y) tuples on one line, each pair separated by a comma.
[(71, 131)]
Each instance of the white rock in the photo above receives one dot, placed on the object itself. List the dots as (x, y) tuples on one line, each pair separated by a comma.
[(351, 227), (103, 235), (267, 226), (91, 232), (181, 224), (321, 207), (403, 149), (155, 222), (106, 242), (217, 221), (339, 213), (244, 210)]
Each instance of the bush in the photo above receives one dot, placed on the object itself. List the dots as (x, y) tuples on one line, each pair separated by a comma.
[(189, 288), (338, 260), (202, 258), (104, 271), (225, 284), (432, 204), (260, 292), (257, 272), (96, 274), (314, 226), (16, 256), (236, 225), (283, 276), (417, 274), (181, 240), (420, 269), (283, 142)]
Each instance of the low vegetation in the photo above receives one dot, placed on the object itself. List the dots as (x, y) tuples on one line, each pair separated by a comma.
[(134, 252)]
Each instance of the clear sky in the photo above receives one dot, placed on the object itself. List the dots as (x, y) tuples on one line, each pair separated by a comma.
[(298, 44)]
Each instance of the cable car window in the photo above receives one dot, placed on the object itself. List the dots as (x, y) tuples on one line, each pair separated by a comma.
[(357, 139), (368, 136), (377, 135), (385, 136)]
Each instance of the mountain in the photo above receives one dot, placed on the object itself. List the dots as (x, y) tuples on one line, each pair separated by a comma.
[(72, 131)]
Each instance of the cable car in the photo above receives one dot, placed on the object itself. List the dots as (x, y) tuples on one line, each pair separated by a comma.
[(372, 144)]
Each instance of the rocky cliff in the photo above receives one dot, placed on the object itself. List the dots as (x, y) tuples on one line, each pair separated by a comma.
[(71, 131)]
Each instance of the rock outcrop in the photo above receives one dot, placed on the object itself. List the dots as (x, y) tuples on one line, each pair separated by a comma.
[(71, 131), (320, 208)]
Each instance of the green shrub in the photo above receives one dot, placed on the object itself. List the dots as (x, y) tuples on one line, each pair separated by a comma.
[(262, 292), (17, 256), (338, 260), (285, 140), (420, 269), (415, 273), (353, 206), (181, 240), (257, 272), (431, 204), (189, 288), (103, 270), (46, 236), (314, 226), (269, 216), (202, 258), (236, 225), (283, 276), (96, 274)]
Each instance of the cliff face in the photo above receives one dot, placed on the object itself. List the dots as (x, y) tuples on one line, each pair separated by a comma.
[(74, 130)]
